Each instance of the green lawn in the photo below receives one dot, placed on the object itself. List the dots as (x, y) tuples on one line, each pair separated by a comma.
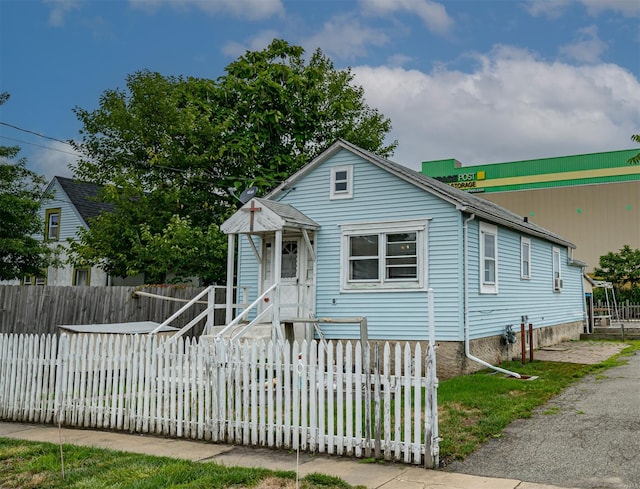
[(475, 408)]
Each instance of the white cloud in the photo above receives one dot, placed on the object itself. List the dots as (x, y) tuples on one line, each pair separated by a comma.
[(244, 9), (512, 107), (59, 9), (628, 8), (257, 43), (53, 160), (587, 48), (556, 8), (549, 8), (432, 14), (344, 37)]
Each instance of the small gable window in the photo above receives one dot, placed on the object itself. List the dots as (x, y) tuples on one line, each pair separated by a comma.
[(488, 258), (341, 182), (384, 256), (52, 224), (525, 258)]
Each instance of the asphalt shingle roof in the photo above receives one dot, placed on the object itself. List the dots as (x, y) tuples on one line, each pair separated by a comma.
[(83, 197), (464, 201)]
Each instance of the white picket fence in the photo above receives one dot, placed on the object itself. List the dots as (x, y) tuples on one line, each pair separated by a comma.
[(313, 396)]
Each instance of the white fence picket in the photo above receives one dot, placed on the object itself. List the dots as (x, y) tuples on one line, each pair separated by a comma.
[(307, 395)]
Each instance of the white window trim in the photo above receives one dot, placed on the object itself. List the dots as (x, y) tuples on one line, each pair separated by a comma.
[(419, 226), (525, 241), (343, 194), (490, 229), (557, 280)]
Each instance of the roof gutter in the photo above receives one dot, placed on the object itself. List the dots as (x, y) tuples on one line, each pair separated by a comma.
[(467, 351)]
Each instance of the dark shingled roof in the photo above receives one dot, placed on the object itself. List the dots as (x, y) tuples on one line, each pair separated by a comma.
[(83, 197), (464, 201)]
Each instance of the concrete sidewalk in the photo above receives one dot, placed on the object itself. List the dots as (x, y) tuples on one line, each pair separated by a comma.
[(371, 475)]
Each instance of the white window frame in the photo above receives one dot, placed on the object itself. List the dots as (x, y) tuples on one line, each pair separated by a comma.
[(347, 193), (485, 229), (381, 284), (556, 269), (525, 258)]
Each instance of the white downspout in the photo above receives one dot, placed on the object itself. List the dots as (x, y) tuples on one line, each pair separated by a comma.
[(467, 351)]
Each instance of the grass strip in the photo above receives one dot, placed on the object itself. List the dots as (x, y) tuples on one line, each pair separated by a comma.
[(31, 465), (474, 408)]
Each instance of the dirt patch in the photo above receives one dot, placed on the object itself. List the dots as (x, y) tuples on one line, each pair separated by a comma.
[(584, 352)]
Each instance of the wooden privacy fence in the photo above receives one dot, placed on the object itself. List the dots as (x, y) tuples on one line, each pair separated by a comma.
[(626, 311), (40, 310), (311, 396)]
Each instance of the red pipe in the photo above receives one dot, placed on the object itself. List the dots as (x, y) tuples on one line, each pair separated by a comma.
[(523, 340)]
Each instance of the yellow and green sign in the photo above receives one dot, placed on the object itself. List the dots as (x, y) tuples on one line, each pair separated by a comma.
[(612, 166)]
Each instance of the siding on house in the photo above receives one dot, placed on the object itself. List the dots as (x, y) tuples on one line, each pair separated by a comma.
[(389, 314), (382, 195), (489, 314), (70, 219)]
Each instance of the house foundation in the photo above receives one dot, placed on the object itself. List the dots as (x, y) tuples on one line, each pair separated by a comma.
[(452, 361)]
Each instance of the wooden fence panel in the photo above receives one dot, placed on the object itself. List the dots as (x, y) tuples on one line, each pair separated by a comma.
[(253, 393), (40, 310), (627, 311)]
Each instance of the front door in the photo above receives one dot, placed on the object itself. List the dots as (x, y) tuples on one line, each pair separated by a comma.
[(290, 276)]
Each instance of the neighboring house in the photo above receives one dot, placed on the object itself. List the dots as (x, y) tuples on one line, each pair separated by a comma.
[(68, 207), (352, 234)]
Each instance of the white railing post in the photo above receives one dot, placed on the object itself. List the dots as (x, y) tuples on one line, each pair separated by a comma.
[(277, 267), (211, 308), (231, 243)]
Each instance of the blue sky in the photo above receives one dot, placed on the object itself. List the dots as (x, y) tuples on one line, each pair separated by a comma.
[(481, 81)]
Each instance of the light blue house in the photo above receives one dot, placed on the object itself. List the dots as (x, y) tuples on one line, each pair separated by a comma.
[(354, 235)]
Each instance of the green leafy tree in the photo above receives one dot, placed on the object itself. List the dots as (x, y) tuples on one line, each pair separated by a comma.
[(635, 160), (622, 269), (279, 112), (170, 148), (21, 254)]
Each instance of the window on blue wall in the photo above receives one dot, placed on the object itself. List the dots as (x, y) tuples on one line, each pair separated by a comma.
[(557, 270), (383, 256), (341, 182), (488, 258), (525, 258)]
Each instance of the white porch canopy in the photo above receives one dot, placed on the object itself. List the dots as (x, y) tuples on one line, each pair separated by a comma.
[(265, 217)]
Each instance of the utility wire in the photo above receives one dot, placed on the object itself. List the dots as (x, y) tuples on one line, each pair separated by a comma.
[(33, 132), (39, 145)]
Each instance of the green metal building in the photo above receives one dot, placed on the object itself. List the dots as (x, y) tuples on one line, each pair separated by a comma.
[(592, 199)]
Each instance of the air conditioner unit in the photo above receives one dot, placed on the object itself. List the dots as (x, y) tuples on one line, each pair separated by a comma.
[(557, 284)]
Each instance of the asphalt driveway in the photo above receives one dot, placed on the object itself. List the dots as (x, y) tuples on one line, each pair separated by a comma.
[(587, 437)]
